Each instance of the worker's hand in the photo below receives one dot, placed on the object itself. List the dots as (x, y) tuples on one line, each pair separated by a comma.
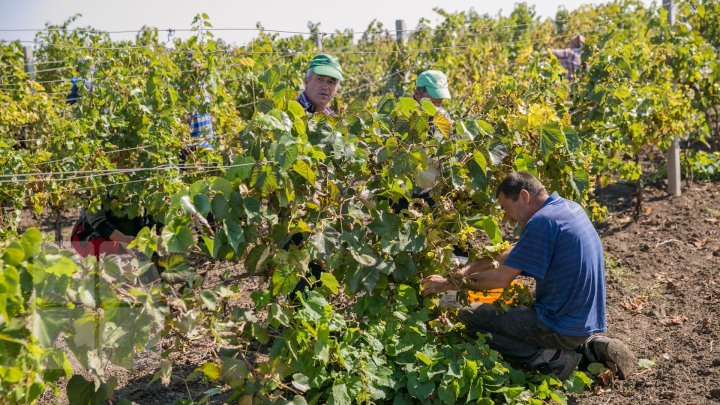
[(460, 272), (479, 266), (121, 237), (435, 284)]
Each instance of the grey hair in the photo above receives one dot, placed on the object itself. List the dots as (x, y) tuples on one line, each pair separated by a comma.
[(310, 73)]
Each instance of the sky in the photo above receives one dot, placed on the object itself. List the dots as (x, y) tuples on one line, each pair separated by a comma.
[(285, 15)]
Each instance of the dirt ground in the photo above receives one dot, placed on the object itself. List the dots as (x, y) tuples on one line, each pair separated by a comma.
[(663, 286), (663, 293)]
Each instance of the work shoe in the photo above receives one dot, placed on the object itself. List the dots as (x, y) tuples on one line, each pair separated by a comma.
[(612, 352), (557, 361)]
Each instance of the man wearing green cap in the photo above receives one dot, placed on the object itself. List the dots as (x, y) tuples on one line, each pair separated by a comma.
[(321, 82), (433, 85)]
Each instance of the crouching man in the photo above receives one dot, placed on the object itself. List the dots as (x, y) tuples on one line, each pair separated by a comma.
[(561, 250)]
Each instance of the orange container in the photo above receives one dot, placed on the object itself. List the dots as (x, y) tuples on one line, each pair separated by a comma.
[(488, 296)]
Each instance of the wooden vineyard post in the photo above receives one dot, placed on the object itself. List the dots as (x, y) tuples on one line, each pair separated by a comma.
[(399, 73), (29, 61), (673, 153), (30, 69), (400, 31), (318, 41)]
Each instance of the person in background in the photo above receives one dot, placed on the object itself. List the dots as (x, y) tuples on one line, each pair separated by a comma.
[(561, 250), (74, 95), (570, 57), (432, 85), (322, 81), (201, 121), (104, 232), (201, 130)]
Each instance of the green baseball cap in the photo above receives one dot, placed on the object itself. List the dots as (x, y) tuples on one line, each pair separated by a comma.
[(435, 82), (326, 65)]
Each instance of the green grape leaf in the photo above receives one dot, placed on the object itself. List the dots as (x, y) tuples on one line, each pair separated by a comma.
[(301, 382), (234, 233), (479, 158), (580, 182), (407, 296), (47, 321), (302, 168), (201, 203), (241, 169), (404, 267), (256, 259), (178, 240), (330, 282), (209, 299), (551, 136), (572, 139), (340, 395), (222, 185), (428, 107), (82, 392), (497, 152), (63, 266), (220, 207), (14, 254), (284, 279)]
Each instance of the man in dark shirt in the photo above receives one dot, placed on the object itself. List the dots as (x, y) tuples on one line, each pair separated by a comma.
[(321, 83)]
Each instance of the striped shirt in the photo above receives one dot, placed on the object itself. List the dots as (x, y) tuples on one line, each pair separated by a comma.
[(201, 130), (307, 105), (561, 250)]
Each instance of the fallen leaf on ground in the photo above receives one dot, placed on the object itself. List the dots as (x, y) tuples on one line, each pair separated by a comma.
[(606, 377), (624, 220), (673, 320), (633, 305), (646, 363), (699, 242)]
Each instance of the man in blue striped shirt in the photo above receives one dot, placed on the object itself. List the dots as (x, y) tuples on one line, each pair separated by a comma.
[(561, 250), (201, 130)]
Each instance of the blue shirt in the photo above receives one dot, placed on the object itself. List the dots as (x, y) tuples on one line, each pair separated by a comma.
[(201, 130), (74, 95), (561, 250)]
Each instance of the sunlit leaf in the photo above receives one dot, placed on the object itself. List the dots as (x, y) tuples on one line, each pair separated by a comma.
[(443, 123), (330, 282), (302, 168)]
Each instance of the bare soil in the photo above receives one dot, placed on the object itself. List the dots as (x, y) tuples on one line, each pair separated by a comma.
[(663, 286), (664, 293)]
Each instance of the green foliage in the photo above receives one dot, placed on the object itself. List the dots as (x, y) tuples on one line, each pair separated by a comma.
[(328, 184), (47, 295)]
